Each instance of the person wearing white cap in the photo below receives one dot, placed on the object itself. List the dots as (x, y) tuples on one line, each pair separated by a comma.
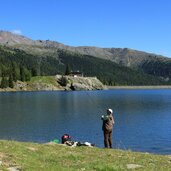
[(108, 122)]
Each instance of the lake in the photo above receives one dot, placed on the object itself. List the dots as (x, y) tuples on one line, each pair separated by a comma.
[(143, 117)]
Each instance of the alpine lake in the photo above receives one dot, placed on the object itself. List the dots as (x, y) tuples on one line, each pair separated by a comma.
[(142, 117)]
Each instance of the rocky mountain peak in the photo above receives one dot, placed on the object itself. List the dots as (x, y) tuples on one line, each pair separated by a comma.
[(8, 38)]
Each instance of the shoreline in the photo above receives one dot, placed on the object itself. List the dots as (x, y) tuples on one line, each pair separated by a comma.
[(15, 91), (54, 143), (139, 87), (106, 88)]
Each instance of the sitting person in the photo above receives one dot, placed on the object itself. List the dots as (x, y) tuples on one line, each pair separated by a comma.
[(66, 139)]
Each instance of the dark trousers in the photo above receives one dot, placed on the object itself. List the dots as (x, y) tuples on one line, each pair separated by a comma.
[(107, 139)]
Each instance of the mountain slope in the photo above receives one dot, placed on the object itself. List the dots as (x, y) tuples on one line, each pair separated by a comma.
[(123, 56), (141, 62)]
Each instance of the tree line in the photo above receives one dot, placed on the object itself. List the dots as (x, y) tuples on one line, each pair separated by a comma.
[(108, 72), (16, 65), (12, 73)]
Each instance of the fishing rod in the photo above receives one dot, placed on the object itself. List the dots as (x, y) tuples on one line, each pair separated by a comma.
[(94, 102)]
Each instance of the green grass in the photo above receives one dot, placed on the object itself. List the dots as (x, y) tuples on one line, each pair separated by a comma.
[(44, 157), (44, 79)]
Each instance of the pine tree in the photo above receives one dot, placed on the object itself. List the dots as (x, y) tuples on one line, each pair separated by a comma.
[(27, 75), (14, 72), (22, 73), (4, 82), (34, 72), (68, 70), (10, 81)]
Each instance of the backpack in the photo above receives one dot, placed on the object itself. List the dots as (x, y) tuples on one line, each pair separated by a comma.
[(65, 137)]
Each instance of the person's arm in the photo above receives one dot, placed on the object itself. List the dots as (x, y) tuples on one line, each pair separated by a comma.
[(113, 121), (105, 117)]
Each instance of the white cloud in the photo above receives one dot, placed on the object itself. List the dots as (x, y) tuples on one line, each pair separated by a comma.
[(17, 31)]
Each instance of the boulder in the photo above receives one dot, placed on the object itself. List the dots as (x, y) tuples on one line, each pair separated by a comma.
[(80, 83)]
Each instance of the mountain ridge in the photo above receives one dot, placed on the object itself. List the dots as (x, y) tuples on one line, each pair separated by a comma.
[(124, 56)]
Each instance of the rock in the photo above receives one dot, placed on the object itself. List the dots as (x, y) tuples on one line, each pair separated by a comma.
[(133, 166), (80, 83), (43, 86), (169, 156), (19, 85), (16, 168), (35, 86), (31, 148)]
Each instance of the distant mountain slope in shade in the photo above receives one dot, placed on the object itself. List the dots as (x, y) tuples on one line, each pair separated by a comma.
[(122, 56), (110, 73)]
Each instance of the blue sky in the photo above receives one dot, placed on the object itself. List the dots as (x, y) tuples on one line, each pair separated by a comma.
[(138, 24)]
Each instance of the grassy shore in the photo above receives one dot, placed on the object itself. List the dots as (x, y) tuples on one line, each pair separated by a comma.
[(54, 157), (38, 83), (44, 79)]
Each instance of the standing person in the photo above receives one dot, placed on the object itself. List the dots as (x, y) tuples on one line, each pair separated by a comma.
[(108, 122)]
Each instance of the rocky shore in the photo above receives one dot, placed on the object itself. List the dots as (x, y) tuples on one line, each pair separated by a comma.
[(69, 83), (80, 83), (58, 82)]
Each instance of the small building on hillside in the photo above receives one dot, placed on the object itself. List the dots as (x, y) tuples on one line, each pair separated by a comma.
[(76, 74)]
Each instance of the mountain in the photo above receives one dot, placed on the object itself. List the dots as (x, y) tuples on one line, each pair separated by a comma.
[(121, 60), (10, 39), (123, 56)]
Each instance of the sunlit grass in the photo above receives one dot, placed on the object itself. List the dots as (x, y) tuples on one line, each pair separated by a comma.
[(44, 79), (44, 157)]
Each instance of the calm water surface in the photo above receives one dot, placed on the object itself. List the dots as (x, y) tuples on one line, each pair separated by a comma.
[(143, 117)]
